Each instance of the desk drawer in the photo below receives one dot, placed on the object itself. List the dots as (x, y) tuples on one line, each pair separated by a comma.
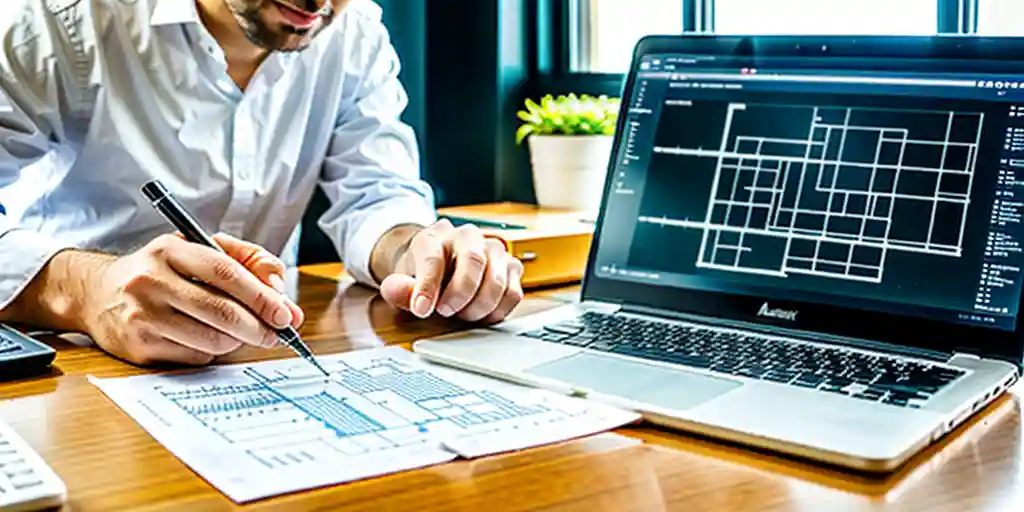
[(551, 261)]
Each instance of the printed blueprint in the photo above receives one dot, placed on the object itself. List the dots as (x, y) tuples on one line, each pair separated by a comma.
[(263, 429)]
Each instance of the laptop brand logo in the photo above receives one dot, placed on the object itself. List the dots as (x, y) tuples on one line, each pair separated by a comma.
[(781, 314)]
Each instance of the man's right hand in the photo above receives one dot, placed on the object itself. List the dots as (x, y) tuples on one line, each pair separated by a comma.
[(171, 301)]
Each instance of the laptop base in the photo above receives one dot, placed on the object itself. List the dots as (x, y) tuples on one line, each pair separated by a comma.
[(810, 424)]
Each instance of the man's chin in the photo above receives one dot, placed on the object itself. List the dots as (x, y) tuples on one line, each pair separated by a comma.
[(291, 47), (282, 43), (293, 42)]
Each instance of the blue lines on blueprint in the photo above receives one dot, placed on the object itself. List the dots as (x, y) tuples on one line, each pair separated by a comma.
[(491, 407), (288, 417), (343, 419), (414, 386)]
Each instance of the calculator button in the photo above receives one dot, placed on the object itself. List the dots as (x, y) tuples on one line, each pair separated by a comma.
[(25, 481), (16, 468), (8, 345)]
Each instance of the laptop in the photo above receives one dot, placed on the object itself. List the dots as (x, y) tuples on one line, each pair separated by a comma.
[(811, 245)]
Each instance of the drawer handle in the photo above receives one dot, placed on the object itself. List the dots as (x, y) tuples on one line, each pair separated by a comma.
[(528, 256)]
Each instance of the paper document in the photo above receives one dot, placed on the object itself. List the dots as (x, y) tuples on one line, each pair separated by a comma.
[(263, 429)]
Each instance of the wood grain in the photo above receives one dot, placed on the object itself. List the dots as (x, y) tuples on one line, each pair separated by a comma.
[(109, 463)]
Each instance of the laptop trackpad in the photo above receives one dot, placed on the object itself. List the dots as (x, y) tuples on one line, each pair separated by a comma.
[(655, 385)]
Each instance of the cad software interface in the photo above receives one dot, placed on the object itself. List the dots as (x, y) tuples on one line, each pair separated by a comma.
[(888, 191)]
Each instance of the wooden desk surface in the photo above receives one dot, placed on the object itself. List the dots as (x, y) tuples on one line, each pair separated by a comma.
[(110, 463)]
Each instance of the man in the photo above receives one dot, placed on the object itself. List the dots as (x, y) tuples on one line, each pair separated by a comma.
[(242, 108)]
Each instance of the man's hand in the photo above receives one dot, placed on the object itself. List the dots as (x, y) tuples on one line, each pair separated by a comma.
[(456, 272), (170, 302)]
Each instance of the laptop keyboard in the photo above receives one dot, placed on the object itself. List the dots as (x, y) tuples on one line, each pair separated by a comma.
[(866, 376)]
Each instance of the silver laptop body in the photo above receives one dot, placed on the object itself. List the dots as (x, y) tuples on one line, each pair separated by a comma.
[(806, 244)]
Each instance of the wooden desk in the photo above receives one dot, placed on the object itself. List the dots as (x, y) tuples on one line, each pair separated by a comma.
[(109, 463)]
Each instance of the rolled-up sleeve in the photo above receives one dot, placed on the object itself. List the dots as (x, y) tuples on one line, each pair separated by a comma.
[(30, 126), (372, 172)]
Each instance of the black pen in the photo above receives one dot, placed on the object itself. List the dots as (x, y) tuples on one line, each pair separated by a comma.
[(179, 217)]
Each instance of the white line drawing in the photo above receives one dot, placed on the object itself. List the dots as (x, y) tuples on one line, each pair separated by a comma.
[(824, 205)]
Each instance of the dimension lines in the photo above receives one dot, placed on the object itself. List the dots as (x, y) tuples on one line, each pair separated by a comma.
[(292, 418), (862, 183)]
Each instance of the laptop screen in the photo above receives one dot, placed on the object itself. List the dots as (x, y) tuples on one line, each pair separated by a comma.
[(823, 180)]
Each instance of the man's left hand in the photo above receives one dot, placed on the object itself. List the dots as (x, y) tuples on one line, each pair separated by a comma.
[(456, 272)]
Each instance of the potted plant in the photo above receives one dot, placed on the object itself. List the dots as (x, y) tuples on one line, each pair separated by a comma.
[(570, 142)]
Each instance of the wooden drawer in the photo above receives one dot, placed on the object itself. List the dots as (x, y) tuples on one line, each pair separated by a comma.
[(550, 261)]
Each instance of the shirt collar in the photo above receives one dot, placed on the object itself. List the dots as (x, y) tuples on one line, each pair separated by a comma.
[(174, 12), (185, 12)]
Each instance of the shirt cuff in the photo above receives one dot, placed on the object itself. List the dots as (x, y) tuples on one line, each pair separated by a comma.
[(23, 254), (375, 224)]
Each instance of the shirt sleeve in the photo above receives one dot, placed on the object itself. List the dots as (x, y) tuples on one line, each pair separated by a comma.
[(371, 173), (32, 95)]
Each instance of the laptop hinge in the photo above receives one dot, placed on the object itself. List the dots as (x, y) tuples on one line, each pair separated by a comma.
[(859, 343)]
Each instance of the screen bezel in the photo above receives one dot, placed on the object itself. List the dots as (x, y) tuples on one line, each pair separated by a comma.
[(914, 333)]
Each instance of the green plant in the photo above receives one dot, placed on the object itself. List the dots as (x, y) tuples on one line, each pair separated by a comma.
[(568, 115)]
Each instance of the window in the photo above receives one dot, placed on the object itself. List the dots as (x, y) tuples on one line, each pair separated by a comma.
[(827, 16), (1001, 17), (607, 30)]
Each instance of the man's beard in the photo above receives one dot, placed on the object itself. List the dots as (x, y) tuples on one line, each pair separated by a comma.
[(248, 16)]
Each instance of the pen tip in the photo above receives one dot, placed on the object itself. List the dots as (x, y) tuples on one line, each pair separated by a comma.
[(322, 370)]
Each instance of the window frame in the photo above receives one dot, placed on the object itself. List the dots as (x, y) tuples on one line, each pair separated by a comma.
[(553, 45), (557, 40)]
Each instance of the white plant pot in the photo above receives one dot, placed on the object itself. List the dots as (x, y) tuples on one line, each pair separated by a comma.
[(569, 170)]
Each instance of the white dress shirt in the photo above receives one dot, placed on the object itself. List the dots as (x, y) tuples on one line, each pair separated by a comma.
[(99, 96)]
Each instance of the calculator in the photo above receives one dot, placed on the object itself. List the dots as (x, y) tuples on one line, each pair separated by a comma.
[(21, 355), (27, 483)]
